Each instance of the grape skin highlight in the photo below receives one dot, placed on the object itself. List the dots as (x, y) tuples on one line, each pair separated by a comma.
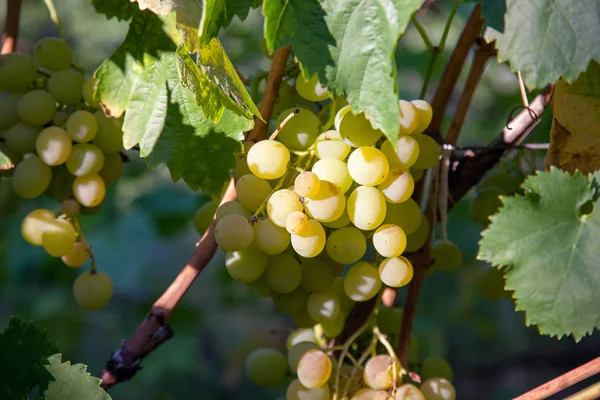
[(362, 281)]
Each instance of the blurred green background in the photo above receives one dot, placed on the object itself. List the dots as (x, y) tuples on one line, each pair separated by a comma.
[(144, 235)]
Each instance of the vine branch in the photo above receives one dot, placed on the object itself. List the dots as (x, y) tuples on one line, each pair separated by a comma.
[(11, 27)]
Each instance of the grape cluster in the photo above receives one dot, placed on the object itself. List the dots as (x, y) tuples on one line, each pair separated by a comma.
[(62, 145)]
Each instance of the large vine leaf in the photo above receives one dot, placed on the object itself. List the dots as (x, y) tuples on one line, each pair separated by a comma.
[(549, 241), (72, 382), (549, 39), (5, 161), (493, 12), (122, 10), (217, 14)]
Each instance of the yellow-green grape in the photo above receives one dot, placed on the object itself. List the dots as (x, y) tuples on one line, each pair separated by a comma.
[(297, 351), (37, 107), (232, 207), (60, 118), (425, 114), (288, 98), (252, 191), (85, 159), (281, 204), (366, 207), (417, 174), (371, 394), (362, 281), (341, 222), (406, 215), (17, 71), (317, 277), (77, 256), (405, 156), (398, 186), (389, 320), (34, 223), (328, 204), (334, 171), (368, 166), (21, 138), (112, 169), (268, 159), (302, 320), (53, 54), (493, 285), (389, 240), (408, 392), (356, 130), (246, 265), (204, 216), (485, 204), (266, 367), (89, 190), (92, 290), (346, 245), (446, 256), (296, 222), (396, 272), (233, 232), (290, 303), (409, 117), (333, 327), (310, 242), (300, 131), (314, 369), (436, 367), (330, 144), (88, 90), (417, 239), (58, 237), (9, 110), (109, 135), (66, 86), (378, 372), (300, 335), (31, 178), (438, 389), (322, 306), (82, 126), (429, 151), (311, 89), (269, 237), (297, 391), (70, 208), (283, 273), (307, 184), (53, 145)]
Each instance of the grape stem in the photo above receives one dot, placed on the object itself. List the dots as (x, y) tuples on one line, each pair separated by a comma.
[(395, 362), (55, 18), (363, 357), (11, 27), (283, 123), (79, 230)]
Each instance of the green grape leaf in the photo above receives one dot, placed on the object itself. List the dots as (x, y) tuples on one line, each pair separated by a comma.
[(550, 39), (493, 12), (5, 161), (549, 243), (122, 10), (72, 382), (24, 349), (217, 14)]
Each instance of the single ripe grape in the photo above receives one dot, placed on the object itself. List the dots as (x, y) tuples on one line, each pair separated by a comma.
[(389, 320), (328, 204), (283, 273), (334, 171), (234, 232), (409, 117), (436, 367), (31, 178), (314, 369), (296, 222), (232, 207), (356, 130), (429, 151), (297, 351), (58, 237), (371, 394), (406, 215), (322, 306), (297, 391), (9, 108), (246, 265), (66, 86), (109, 134), (34, 223), (281, 204), (417, 239), (268, 159), (396, 272), (362, 281), (398, 186), (485, 204), (266, 367), (300, 131), (204, 216), (300, 335), (330, 144), (269, 237), (405, 155), (82, 126), (89, 191), (311, 89), (378, 372), (85, 159), (346, 245), (17, 71), (53, 145), (69, 207), (368, 166), (53, 54), (408, 392), (425, 114), (317, 277), (366, 207), (310, 242), (438, 389), (78, 255), (112, 169), (389, 240), (341, 222), (252, 191), (290, 303), (21, 138), (92, 290), (446, 256), (89, 87), (307, 184), (333, 327), (37, 107)]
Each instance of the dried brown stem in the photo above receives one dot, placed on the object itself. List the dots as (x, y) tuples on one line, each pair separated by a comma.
[(11, 27)]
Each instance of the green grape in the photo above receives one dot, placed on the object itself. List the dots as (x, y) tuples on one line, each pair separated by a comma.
[(281, 204), (310, 242), (53, 145), (88, 90), (92, 290), (34, 223), (417, 239), (70, 208), (296, 222), (21, 138), (31, 178), (436, 367), (17, 71), (446, 256), (261, 287), (283, 273), (406, 155), (362, 281), (356, 130), (58, 237), (232, 207), (300, 131), (290, 303), (485, 204), (37, 107), (109, 135), (334, 171), (389, 240), (9, 110), (112, 169), (371, 394), (429, 151), (269, 237), (328, 204), (341, 222), (322, 306), (398, 186), (252, 191), (66, 86), (61, 185), (368, 166), (89, 190), (296, 352), (417, 174), (266, 367), (297, 391), (366, 207), (438, 389), (268, 159), (389, 320), (346, 245), (204, 216), (246, 265), (409, 117), (311, 89), (408, 392), (492, 285), (53, 54), (302, 319), (233, 232), (330, 144), (333, 327), (346, 303), (287, 98), (85, 159), (406, 215), (60, 118), (314, 369), (396, 272), (307, 184), (317, 277), (78, 256), (300, 335), (378, 372), (425, 114), (82, 126)]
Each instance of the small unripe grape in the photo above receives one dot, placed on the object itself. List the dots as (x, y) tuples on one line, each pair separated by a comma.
[(204, 216), (37, 107), (296, 222), (78, 256), (92, 290), (69, 207), (65, 86), (311, 89), (446, 256), (53, 54), (266, 367), (438, 389), (356, 130), (89, 87), (17, 71), (436, 367), (307, 184), (31, 178)]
